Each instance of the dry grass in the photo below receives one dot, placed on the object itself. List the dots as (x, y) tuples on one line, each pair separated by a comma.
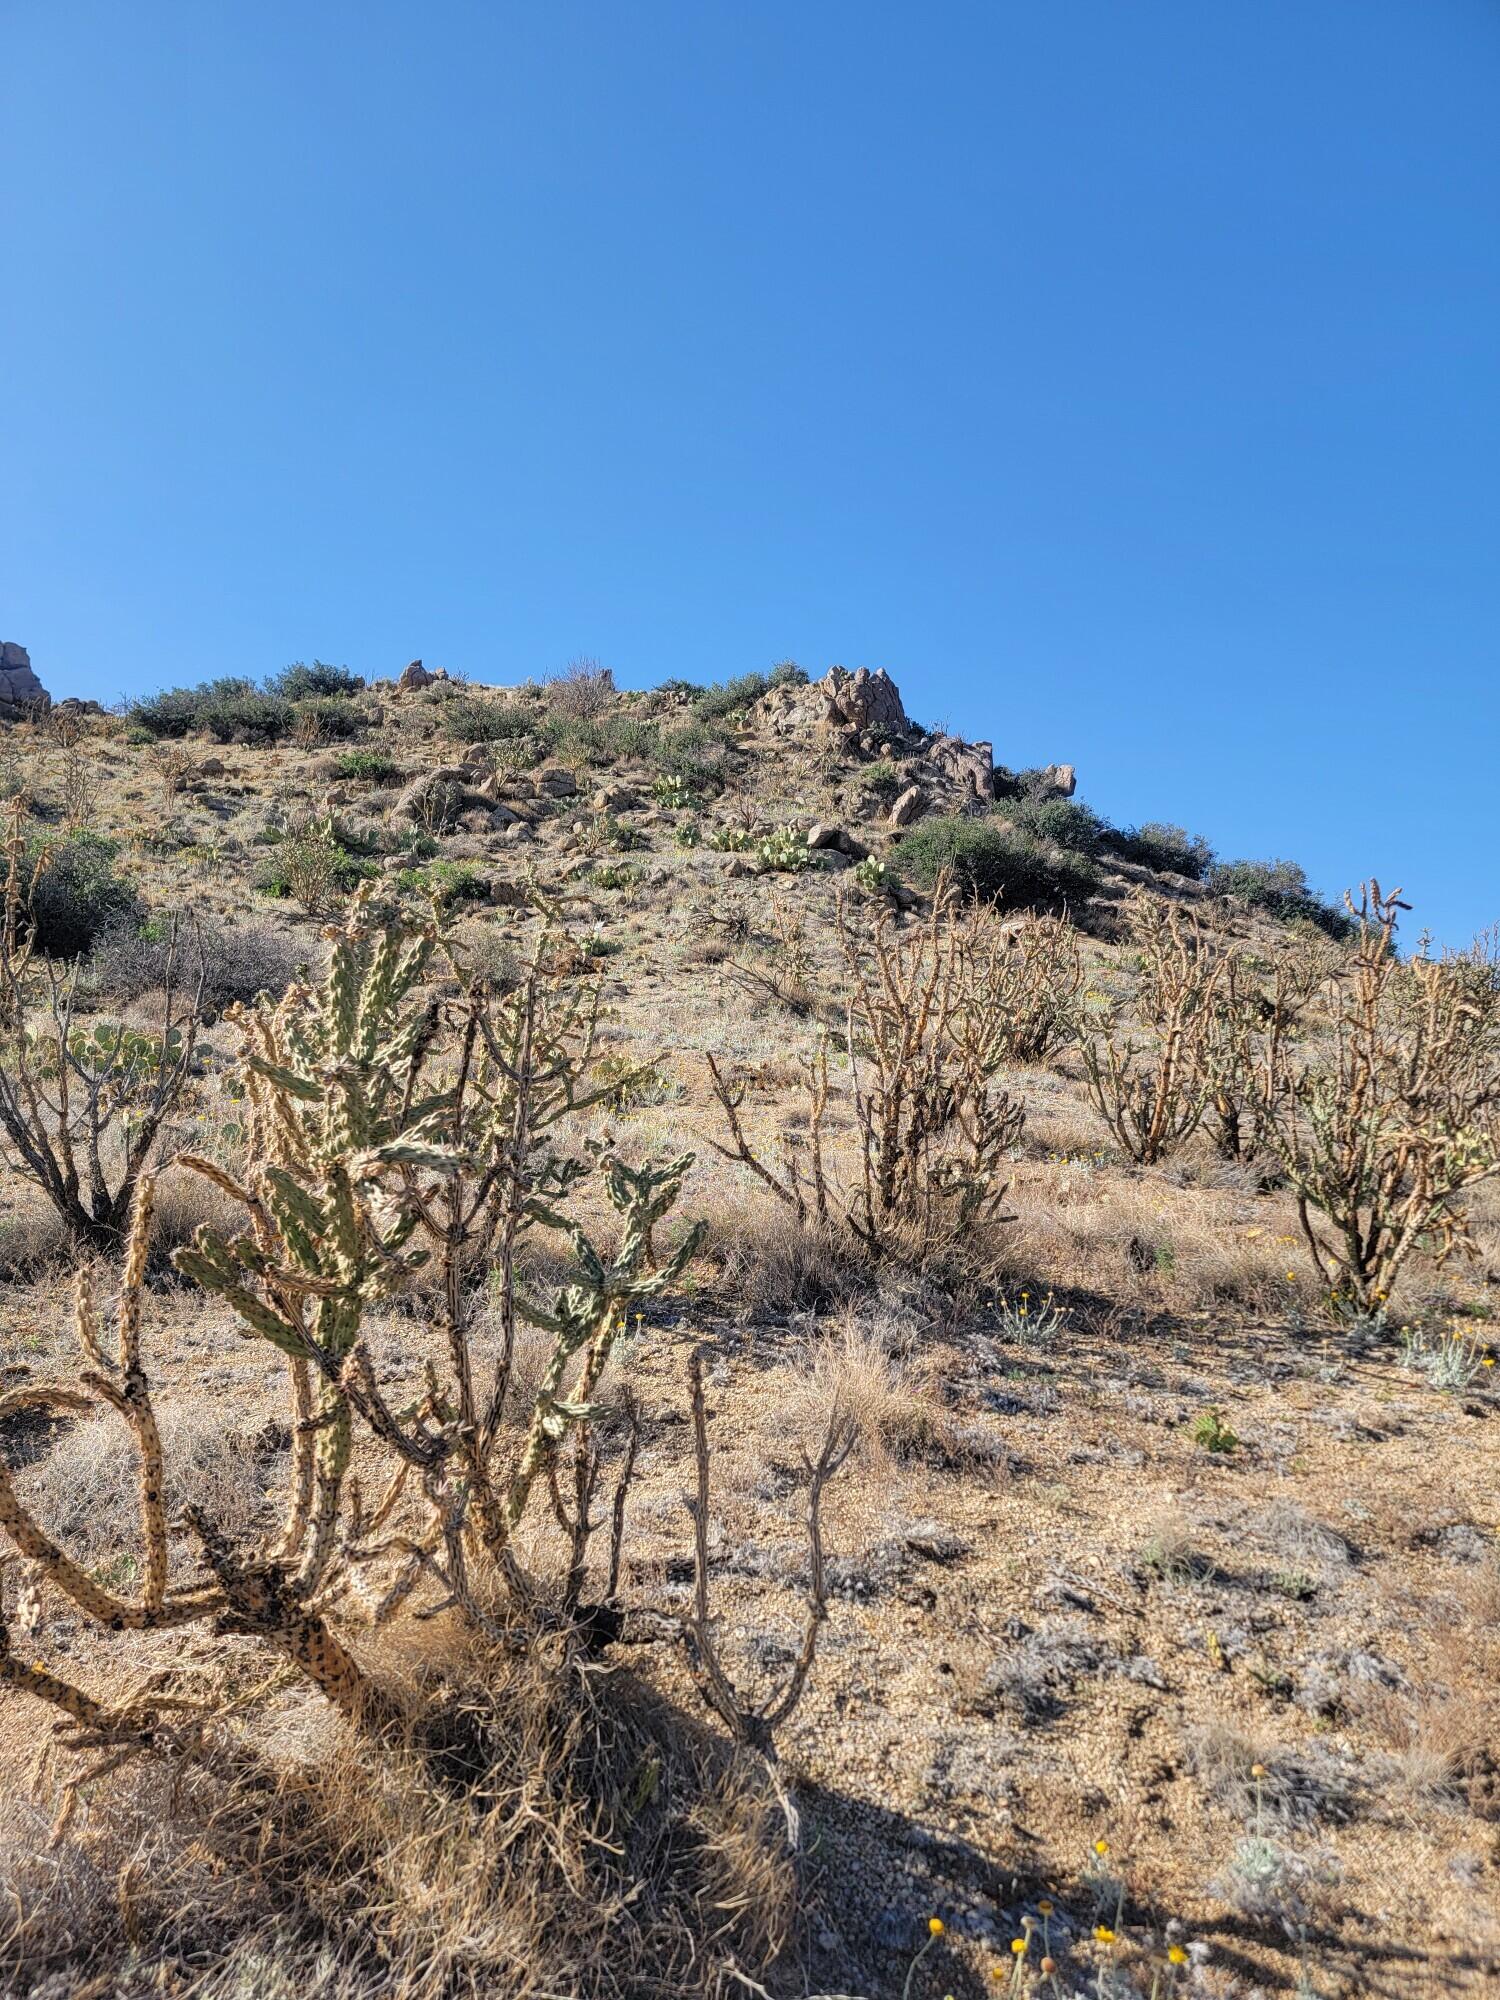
[(526, 1838)]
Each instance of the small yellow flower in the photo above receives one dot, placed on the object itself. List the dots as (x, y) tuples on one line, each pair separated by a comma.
[(1291, 1277), (1101, 1848), (1103, 1934), (1018, 1946), (936, 1926), (1257, 1770), (1488, 1361), (1176, 1955)]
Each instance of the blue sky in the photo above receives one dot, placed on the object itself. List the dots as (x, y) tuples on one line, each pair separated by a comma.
[(1123, 378)]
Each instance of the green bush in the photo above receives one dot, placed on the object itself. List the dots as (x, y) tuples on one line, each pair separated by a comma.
[(1280, 888), (696, 754), (996, 861), (332, 718), (177, 712), (600, 740), (1064, 822), (74, 894), (298, 682), (368, 766), (446, 883), (467, 719), (1169, 850), (726, 698), (248, 718)]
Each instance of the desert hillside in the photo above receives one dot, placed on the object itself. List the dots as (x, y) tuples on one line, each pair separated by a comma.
[(699, 1341)]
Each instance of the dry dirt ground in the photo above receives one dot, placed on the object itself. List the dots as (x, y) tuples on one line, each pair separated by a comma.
[(1244, 1701)]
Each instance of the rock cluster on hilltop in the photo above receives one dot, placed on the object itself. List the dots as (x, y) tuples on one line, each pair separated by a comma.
[(21, 693), (866, 710)]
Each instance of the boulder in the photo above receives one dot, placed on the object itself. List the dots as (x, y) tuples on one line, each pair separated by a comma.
[(413, 677), (615, 799), (440, 799), (21, 693), (863, 700), (1058, 781), (827, 839), (911, 805), (968, 764), (556, 783)]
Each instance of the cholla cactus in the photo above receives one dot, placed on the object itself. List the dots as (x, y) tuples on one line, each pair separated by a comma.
[(590, 1315), (338, 1134), (377, 1115)]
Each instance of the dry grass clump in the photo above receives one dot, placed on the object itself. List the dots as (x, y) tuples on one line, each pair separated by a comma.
[(896, 1404), (539, 1839), (770, 1260), (83, 1488), (1262, 1783)]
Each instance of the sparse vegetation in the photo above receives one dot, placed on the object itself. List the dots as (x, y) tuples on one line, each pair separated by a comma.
[(1080, 1387)]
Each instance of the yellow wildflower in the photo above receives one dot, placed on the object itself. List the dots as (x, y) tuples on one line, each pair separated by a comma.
[(936, 1926)]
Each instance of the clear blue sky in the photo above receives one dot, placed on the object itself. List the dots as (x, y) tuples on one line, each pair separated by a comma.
[(1123, 375)]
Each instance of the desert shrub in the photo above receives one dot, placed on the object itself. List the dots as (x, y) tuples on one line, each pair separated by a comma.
[(1281, 889), (370, 767), (1168, 850), (995, 861), (696, 754), (248, 718), (313, 866), (582, 691), (732, 697), (73, 893), (446, 882), (301, 683), (471, 719), (786, 673), (607, 739), (326, 719), (235, 963), (678, 689), (179, 711), (1063, 822)]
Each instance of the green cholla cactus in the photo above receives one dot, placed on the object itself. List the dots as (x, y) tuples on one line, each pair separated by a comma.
[(591, 1314), (337, 1129)]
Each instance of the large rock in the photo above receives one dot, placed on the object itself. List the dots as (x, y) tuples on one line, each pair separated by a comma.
[(863, 700), (417, 676), (439, 799), (911, 805), (970, 764), (825, 838), (1058, 781), (21, 693)]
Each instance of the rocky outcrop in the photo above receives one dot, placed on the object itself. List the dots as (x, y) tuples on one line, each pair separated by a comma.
[(824, 838), (1058, 781), (860, 703), (863, 700), (417, 676), (969, 764), (21, 693), (911, 805)]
